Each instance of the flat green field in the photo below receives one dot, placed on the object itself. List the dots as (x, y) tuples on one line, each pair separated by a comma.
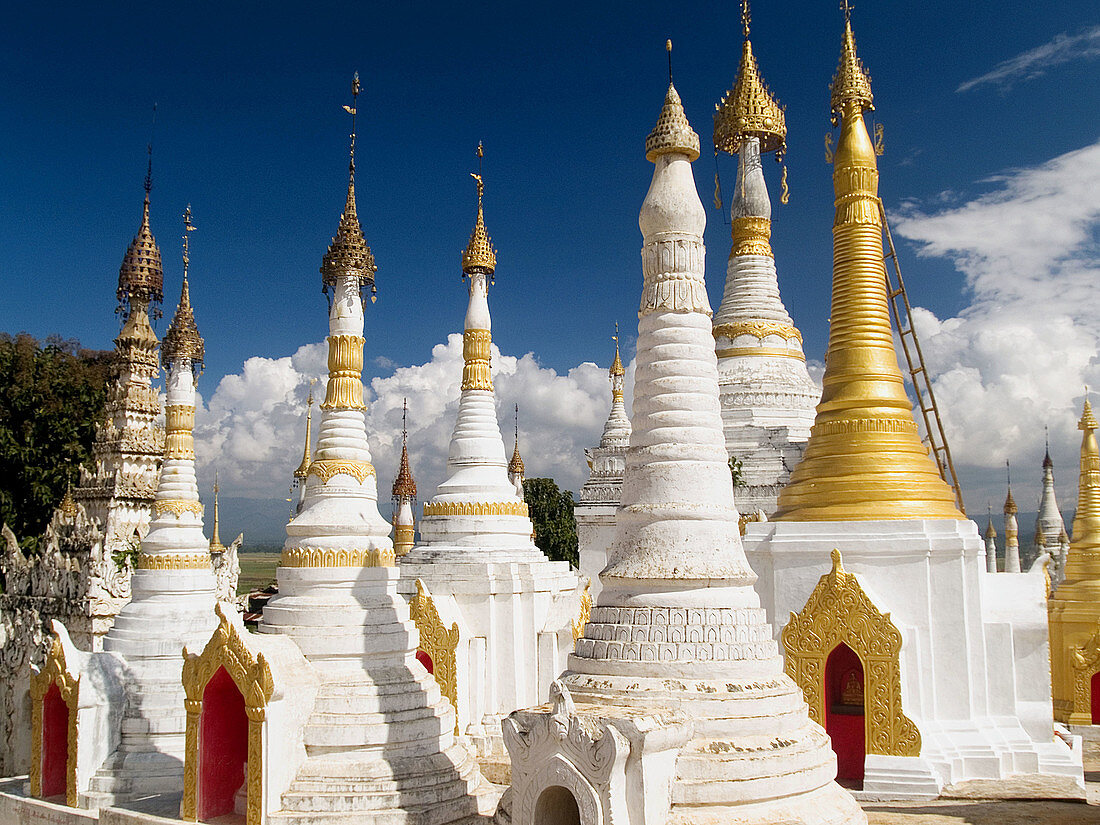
[(257, 570)]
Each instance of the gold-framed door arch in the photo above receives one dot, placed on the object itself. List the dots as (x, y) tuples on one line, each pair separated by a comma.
[(840, 611), (54, 672)]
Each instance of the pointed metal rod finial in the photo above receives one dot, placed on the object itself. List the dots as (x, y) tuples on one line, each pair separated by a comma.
[(1008, 473), (846, 5), (668, 48), (404, 420), (352, 110), (746, 17), (188, 228), (149, 150)]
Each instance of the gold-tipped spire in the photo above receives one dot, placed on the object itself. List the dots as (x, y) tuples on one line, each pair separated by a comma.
[(141, 276), (68, 506), (865, 459), (216, 545), (851, 83), (302, 472), (479, 254), (348, 253), (617, 364), (749, 109), (182, 340), (404, 486), (673, 133), (515, 466), (990, 530), (1086, 522)]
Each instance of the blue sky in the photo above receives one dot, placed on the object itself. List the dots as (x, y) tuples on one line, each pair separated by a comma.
[(250, 132)]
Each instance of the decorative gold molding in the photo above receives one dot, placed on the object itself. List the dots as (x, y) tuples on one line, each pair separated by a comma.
[(177, 506), (179, 425), (326, 468), (403, 538), (750, 236), (585, 612), (337, 557), (849, 426), (252, 676), (839, 611), (438, 641), (758, 329), (200, 560), (476, 508), (345, 373), (476, 357), (776, 352), (54, 671)]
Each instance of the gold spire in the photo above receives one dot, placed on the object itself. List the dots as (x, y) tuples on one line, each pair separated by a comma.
[(216, 545), (479, 255), (515, 466), (404, 486), (348, 253), (672, 133), (1086, 522), (864, 459), (303, 469), (68, 506), (851, 83), (749, 109), (616, 372), (141, 276), (990, 530), (182, 340)]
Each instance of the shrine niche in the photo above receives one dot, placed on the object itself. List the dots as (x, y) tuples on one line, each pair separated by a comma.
[(54, 692), (1084, 662), (225, 671), (839, 612)]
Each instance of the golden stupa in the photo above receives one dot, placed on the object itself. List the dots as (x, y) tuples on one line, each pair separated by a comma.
[(864, 460)]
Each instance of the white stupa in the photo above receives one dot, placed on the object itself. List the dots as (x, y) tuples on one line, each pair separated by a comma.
[(127, 718), (595, 512), (514, 610), (675, 707), (766, 393)]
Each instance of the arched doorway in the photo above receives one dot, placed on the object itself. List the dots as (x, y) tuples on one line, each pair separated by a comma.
[(557, 806), (844, 713), (223, 746), (1094, 694), (55, 743), (425, 660)]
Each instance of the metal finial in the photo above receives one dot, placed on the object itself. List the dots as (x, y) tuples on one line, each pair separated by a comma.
[(215, 483), (746, 17), (477, 176), (1008, 473), (517, 425), (404, 421), (846, 6), (351, 110), (615, 337), (668, 48), (188, 228), (149, 149)]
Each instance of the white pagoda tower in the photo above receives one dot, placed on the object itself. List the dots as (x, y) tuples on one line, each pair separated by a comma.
[(767, 395), (125, 706), (595, 512), (1050, 529), (514, 610), (921, 665), (675, 707)]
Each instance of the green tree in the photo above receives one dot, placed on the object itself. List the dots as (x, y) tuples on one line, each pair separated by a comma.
[(552, 514), (51, 397)]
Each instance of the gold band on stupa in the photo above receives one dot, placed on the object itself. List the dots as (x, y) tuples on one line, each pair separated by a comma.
[(751, 236), (179, 436), (345, 373), (476, 346), (864, 459)]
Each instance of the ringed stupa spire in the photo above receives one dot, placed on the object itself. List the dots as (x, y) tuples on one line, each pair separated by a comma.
[(216, 545), (990, 542), (404, 494), (1012, 530), (865, 459), (516, 469), (1049, 525), (302, 472), (767, 395)]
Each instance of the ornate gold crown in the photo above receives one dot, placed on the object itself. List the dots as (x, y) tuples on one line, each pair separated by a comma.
[(404, 486), (1088, 420), (749, 110), (182, 340), (516, 464), (479, 255), (672, 133), (141, 275), (348, 254), (851, 81)]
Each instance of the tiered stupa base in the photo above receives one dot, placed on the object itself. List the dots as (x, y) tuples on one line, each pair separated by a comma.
[(972, 671), (380, 744), (753, 756)]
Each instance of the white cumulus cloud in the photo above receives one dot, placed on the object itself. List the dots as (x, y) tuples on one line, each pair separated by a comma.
[(252, 427), (1017, 358)]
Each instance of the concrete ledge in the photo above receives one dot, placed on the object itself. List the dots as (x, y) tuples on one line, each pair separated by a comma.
[(17, 809)]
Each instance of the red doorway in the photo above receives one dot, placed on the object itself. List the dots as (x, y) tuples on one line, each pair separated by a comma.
[(1094, 694), (223, 746), (55, 743), (844, 713)]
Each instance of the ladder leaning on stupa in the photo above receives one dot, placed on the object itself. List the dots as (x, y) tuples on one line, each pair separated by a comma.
[(918, 373)]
